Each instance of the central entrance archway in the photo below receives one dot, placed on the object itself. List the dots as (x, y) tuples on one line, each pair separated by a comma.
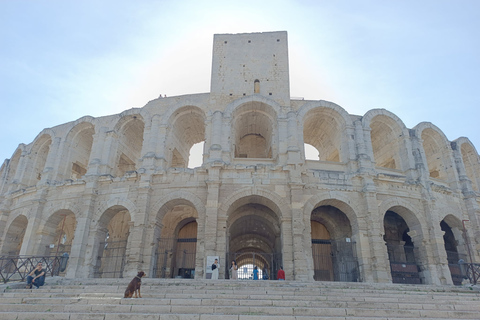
[(254, 238)]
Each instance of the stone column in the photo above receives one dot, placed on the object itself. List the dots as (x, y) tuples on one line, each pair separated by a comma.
[(373, 262), (80, 262), (17, 182), (215, 149), (214, 239), (48, 173), (299, 232), (139, 230), (293, 151)]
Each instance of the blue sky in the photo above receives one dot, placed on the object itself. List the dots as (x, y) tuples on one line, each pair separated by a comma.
[(61, 60)]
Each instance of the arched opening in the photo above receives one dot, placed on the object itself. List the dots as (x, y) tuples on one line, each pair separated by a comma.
[(253, 238), (14, 237), (435, 152), (58, 233), (254, 131), (454, 246), (256, 86), (11, 169), (401, 250), (176, 241), (311, 153), (81, 141), (333, 251), (186, 138), (196, 155), (471, 161), (37, 160), (323, 130), (130, 142), (386, 137), (111, 239)]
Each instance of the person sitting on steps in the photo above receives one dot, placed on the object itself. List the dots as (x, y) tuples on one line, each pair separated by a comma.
[(36, 277)]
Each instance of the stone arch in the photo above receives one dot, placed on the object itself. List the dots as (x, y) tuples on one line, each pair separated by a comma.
[(266, 197), (168, 215), (110, 240), (175, 238), (168, 202), (115, 202), (234, 105), (37, 159), (387, 139), (324, 128), (454, 244), (438, 154), (187, 127), (58, 230), (254, 233), (10, 169), (336, 200), (471, 161), (78, 146), (254, 130), (405, 241), (14, 236), (335, 258), (130, 129)]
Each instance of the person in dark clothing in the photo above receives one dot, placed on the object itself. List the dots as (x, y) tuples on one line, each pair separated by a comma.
[(36, 277)]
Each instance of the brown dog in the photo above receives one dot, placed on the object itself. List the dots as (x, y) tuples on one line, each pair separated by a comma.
[(134, 286)]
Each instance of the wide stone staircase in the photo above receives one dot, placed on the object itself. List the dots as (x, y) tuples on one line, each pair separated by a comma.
[(179, 299)]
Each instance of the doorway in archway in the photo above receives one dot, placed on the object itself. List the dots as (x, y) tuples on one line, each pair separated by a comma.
[(254, 241), (401, 250), (333, 251)]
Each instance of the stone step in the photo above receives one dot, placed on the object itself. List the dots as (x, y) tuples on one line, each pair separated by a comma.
[(418, 305), (48, 309), (240, 300)]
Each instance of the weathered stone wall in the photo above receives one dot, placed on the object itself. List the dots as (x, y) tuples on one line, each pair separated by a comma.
[(125, 176)]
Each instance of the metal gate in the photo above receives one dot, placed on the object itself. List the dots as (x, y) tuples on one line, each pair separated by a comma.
[(111, 259), (175, 258), (246, 261), (403, 266), (454, 266), (334, 261)]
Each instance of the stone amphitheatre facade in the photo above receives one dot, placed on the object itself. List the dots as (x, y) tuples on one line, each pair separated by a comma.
[(382, 203)]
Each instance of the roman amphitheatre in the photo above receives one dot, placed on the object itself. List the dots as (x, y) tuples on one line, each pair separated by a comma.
[(382, 203)]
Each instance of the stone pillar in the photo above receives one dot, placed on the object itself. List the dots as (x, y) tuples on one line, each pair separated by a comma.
[(214, 240), (97, 163), (139, 230), (373, 262), (80, 264), (215, 149), (287, 247), (49, 171), (227, 154), (432, 257), (31, 241), (18, 179), (154, 146), (299, 232), (293, 151)]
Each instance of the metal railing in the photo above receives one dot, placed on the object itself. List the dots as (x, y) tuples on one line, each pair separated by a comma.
[(17, 268), (471, 271)]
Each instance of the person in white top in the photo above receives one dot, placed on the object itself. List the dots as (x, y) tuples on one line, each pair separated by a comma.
[(215, 270)]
